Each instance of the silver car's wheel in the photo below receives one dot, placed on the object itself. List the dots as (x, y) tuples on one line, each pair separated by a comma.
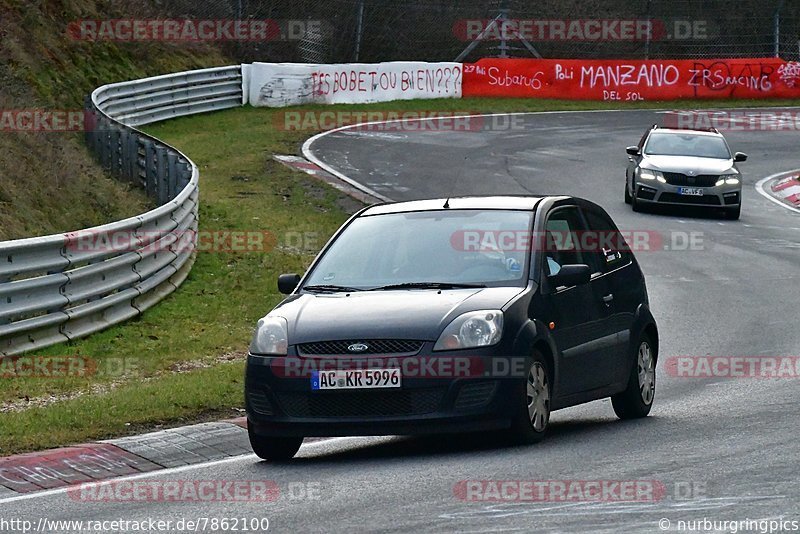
[(646, 370), (538, 396)]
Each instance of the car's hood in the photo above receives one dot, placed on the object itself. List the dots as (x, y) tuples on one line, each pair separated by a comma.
[(405, 314), (684, 164)]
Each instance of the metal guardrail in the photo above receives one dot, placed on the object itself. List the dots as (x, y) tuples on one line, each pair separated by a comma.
[(61, 287)]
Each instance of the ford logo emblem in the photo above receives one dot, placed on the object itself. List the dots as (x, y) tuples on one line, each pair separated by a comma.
[(358, 347)]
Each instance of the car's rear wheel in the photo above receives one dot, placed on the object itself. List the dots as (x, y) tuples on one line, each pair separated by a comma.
[(733, 213), (628, 198), (637, 399), (273, 448), (533, 407)]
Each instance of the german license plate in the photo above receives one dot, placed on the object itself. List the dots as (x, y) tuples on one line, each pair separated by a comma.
[(356, 379), (691, 191)]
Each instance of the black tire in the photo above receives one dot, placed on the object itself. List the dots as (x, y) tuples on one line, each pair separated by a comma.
[(272, 448), (628, 198), (733, 213), (524, 429), (637, 399)]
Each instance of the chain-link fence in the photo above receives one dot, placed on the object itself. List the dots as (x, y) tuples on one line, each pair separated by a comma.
[(437, 30)]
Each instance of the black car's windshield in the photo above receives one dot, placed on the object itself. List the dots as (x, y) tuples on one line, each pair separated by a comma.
[(428, 250), (674, 144)]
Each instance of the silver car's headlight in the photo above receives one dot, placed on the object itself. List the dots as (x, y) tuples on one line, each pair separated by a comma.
[(731, 178), (271, 337), (647, 174), (471, 330)]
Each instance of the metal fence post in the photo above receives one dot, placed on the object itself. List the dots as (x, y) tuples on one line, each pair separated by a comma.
[(172, 179), (161, 175), (150, 174)]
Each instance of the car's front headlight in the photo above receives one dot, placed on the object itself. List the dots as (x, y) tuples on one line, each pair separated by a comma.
[(471, 330), (271, 337), (732, 178), (647, 174)]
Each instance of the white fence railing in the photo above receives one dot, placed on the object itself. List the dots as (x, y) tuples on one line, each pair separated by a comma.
[(61, 287)]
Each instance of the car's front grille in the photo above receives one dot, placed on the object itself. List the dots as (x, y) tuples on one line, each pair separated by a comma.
[(701, 180), (369, 346), (475, 395), (374, 403), (710, 200)]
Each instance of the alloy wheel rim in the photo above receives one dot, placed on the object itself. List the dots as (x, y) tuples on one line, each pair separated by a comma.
[(538, 397), (646, 370)]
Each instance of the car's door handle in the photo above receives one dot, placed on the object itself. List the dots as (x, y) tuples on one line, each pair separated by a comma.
[(608, 298)]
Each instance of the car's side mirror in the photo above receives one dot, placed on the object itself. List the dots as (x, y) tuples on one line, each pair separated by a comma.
[(287, 283), (633, 151), (571, 275), (739, 157)]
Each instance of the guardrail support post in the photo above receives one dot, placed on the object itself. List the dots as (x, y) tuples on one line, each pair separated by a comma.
[(150, 175), (172, 179), (116, 151), (161, 175)]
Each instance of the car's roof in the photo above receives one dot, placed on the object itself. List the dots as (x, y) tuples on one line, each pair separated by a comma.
[(685, 131), (511, 202)]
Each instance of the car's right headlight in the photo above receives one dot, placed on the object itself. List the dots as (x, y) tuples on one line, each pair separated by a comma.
[(471, 330), (271, 337), (647, 174)]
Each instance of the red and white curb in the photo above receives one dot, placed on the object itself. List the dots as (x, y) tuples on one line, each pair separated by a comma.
[(783, 189)]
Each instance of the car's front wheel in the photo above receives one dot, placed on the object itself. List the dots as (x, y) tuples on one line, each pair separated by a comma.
[(628, 198), (734, 213), (637, 399), (533, 406), (273, 448)]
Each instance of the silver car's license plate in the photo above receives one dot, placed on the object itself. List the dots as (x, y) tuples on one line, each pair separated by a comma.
[(356, 379), (691, 191)]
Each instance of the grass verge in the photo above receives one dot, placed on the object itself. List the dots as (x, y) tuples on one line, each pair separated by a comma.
[(183, 359)]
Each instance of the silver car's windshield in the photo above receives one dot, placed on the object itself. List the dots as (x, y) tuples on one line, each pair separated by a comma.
[(674, 144), (446, 246)]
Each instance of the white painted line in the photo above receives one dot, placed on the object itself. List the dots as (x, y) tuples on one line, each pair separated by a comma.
[(166, 471), (760, 188)]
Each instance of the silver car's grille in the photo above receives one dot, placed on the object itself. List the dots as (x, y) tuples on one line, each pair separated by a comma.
[(701, 180)]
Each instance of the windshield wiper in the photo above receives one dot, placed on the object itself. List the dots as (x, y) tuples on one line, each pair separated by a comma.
[(331, 289), (428, 285)]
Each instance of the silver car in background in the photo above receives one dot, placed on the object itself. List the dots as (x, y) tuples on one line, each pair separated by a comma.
[(684, 167)]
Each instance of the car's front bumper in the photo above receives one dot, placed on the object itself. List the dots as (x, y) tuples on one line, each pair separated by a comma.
[(653, 192), (283, 404)]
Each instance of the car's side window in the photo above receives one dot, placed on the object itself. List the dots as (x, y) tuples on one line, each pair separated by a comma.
[(608, 243), (562, 238)]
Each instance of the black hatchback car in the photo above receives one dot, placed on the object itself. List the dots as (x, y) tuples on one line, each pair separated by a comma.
[(454, 315)]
